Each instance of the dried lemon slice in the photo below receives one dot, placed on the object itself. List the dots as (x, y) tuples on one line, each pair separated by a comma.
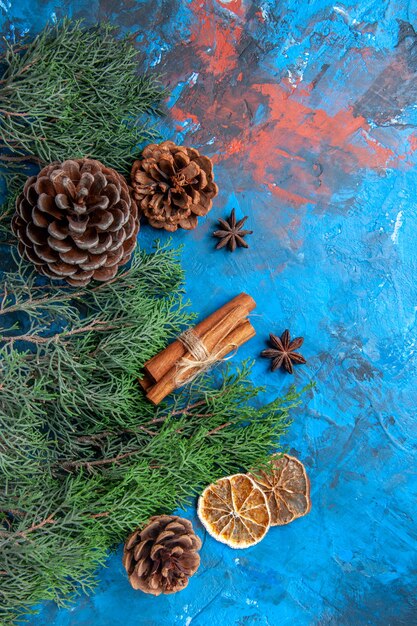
[(287, 489), (234, 511)]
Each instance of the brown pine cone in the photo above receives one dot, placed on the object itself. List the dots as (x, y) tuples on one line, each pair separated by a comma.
[(172, 185), (76, 221), (163, 556)]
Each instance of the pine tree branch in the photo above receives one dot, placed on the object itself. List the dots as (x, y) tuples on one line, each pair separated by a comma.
[(68, 465), (45, 87), (96, 325), (8, 114), (32, 528), (217, 429), (24, 533), (187, 410), (14, 512), (97, 437)]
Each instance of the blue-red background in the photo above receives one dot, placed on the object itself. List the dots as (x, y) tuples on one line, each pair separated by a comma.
[(309, 111)]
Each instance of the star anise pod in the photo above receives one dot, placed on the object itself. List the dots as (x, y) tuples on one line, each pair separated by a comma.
[(231, 234), (283, 352)]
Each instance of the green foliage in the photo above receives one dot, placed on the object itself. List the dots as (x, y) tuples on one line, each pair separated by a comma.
[(84, 458), (69, 80), (11, 184)]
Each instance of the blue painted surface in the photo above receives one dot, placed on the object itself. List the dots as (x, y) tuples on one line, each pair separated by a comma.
[(309, 111)]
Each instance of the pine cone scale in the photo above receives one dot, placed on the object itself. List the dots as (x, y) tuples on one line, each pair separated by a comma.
[(103, 274), (63, 269), (49, 205), (58, 230), (114, 258), (142, 550), (32, 256), (188, 223), (39, 218), (73, 257), (44, 253), (76, 221)]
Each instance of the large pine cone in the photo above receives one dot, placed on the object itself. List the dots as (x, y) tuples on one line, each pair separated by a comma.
[(76, 221), (173, 185), (163, 556)]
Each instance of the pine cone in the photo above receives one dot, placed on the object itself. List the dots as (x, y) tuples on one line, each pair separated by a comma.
[(163, 556), (76, 221), (173, 185)]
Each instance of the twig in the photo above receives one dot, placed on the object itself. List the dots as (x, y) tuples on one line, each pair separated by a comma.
[(5, 214), (14, 113), (39, 302), (33, 304), (38, 339), (94, 438), (115, 459), (15, 512), (186, 411), (146, 430), (188, 408), (216, 430), (48, 520), (24, 533), (21, 159), (6, 293), (106, 433)]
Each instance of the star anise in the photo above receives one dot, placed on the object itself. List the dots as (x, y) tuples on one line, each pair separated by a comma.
[(231, 234), (283, 352)]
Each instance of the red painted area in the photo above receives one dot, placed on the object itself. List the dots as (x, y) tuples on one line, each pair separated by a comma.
[(300, 127), (181, 116), (236, 146), (412, 140), (286, 196), (214, 40), (235, 6), (295, 149), (280, 153), (288, 155), (260, 16)]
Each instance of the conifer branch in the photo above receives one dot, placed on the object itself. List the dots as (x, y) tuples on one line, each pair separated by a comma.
[(49, 103), (84, 457)]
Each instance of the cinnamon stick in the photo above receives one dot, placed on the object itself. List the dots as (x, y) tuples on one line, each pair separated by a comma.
[(145, 382), (211, 339), (163, 362), (218, 332), (168, 382)]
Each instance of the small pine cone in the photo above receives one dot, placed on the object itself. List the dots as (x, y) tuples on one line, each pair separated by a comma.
[(76, 221), (172, 185), (163, 556)]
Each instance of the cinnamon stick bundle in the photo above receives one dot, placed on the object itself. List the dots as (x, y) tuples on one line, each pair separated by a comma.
[(216, 336)]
